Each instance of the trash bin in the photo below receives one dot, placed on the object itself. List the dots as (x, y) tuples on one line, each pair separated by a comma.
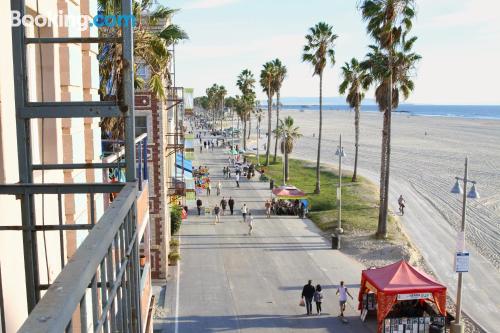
[(436, 328), (271, 184), (335, 241)]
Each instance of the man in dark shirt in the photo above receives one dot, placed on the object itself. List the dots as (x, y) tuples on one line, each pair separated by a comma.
[(231, 204), (308, 293), (199, 203)]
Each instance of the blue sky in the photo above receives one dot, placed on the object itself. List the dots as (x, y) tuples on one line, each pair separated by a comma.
[(459, 41)]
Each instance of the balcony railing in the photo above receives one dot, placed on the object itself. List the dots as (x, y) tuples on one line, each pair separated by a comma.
[(99, 288)]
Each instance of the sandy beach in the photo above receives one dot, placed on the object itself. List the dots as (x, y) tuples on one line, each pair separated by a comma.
[(427, 153)]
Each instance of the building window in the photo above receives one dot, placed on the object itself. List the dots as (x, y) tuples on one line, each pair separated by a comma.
[(142, 71), (141, 125)]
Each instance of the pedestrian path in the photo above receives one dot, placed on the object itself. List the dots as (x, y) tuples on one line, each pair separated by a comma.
[(229, 281)]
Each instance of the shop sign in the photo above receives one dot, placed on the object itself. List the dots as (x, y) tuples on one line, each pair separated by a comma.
[(409, 297)]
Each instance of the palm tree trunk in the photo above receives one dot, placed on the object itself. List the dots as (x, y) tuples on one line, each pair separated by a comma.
[(356, 142), (269, 106), (385, 171), (318, 185), (277, 123), (249, 126), (245, 134)]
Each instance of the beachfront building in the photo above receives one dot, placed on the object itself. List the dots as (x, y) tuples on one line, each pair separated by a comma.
[(70, 231), (159, 120)]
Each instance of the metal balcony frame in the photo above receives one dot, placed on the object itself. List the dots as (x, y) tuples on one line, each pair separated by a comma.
[(100, 239)]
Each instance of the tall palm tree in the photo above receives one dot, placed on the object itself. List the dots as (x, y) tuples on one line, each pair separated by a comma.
[(267, 78), (319, 51), (246, 84), (288, 133), (387, 22), (244, 105), (280, 76), (151, 49), (356, 80)]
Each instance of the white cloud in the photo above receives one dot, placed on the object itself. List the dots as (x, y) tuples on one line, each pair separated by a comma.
[(202, 4)]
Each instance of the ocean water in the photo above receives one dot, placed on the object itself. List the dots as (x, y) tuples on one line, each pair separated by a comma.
[(462, 111)]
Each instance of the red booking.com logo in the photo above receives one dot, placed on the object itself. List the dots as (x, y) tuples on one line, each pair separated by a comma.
[(82, 22)]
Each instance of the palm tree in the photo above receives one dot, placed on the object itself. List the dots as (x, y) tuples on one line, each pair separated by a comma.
[(278, 82), (319, 51), (356, 81), (267, 78), (151, 49), (244, 105), (288, 134), (246, 84), (388, 22)]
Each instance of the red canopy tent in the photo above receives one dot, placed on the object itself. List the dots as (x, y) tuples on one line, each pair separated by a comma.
[(288, 192), (400, 279)]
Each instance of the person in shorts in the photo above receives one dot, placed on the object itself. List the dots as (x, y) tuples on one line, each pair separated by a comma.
[(217, 214), (342, 292), (268, 208)]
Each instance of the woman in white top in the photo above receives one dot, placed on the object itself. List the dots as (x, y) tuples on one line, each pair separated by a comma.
[(244, 211)]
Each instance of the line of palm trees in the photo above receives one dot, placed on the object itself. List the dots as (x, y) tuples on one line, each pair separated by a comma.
[(389, 67)]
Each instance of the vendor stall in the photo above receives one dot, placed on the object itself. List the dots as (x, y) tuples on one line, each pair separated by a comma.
[(289, 201), (405, 299)]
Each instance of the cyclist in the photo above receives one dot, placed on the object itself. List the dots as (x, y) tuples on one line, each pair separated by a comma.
[(401, 202)]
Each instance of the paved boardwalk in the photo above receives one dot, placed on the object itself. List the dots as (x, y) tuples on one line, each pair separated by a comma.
[(232, 282)]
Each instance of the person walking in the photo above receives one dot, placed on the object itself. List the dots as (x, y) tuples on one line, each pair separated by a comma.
[(237, 178), (223, 205), (268, 208), (244, 211), (228, 173), (209, 188), (307, 294), (250, 224), (318, 299), (199, 203), (219, 188), (224, 172), (205, 144), (217, 214), (342, 292), (231, 204)]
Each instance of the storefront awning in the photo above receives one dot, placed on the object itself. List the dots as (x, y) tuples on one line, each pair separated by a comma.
[(187, 164)]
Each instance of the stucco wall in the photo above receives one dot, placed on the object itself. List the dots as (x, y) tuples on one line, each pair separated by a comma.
[(70, 73)]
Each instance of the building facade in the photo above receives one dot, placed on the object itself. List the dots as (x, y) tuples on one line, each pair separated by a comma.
[(56, 72)]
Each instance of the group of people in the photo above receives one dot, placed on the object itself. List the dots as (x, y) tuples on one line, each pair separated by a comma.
[(286, 207), (311, 293)]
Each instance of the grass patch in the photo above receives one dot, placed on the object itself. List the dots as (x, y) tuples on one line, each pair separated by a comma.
[(359, 199)]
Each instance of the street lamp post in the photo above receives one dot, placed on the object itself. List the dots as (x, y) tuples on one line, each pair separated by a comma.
[(284, 158), (258, 136), (232, 128), (340, 153), (457, 326)]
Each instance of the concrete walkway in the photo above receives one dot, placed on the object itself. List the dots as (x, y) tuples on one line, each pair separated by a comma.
[(231, 282)]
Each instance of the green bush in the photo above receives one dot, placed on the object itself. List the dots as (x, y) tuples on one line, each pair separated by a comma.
[(173, 257), (263, 178), (174, 243), (175, 219)]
